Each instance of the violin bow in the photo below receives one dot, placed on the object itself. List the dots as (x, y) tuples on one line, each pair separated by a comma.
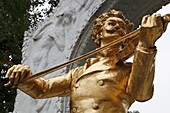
[(135, 33), (55, 68), (166, 18)]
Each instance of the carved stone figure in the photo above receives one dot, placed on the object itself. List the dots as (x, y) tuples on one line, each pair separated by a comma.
[(106, 83), (49, 43), (52, 42), (47, 39)]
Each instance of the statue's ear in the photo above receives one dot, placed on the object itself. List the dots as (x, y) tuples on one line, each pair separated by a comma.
[(130, 27)]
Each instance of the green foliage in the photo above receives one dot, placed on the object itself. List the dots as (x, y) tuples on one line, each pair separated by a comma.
[(40, 9), (13, 22), (15, 18)]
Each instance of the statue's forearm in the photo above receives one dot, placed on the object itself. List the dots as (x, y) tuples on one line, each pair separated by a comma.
[(33, 88), (41, 88), (140, 83)]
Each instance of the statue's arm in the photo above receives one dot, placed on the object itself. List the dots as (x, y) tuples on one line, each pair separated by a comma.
[(46, 88), (140, 84), (39, 88)]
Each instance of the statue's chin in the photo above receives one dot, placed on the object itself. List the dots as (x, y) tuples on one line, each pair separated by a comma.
[(111, 36)]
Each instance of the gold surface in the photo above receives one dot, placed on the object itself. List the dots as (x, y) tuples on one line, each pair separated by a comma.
[(103, 84)]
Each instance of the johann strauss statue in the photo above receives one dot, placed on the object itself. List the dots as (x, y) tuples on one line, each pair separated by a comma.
[(106, 83)]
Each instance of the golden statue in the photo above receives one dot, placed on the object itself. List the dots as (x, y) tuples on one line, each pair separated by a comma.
[(107, 83)]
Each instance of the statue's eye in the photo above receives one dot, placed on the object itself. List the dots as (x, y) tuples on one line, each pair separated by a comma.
[(121, 24), (111, 23)]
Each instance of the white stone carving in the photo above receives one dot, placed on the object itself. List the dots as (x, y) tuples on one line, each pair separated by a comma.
[(51, 44)]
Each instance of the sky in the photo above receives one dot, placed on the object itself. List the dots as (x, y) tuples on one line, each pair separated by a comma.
[(161, 98)]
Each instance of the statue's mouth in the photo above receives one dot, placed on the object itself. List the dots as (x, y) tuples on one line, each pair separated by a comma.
[(118, 32)]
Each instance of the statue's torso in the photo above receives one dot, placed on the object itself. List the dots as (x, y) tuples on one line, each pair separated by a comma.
[(101, 91)]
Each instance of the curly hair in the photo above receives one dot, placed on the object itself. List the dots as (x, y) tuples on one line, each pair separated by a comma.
[(99, 22)]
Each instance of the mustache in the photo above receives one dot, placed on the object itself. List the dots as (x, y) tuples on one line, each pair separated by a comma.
[(113, 30)]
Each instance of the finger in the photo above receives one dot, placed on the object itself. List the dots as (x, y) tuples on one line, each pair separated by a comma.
[(8, 84), (25, 72), (144, 20), (26, 67), (20, 73), (25, 78), (165, 26), (8, 75), (14, 74), (150, 21), (166, 20), (10, 70), (153, 21), (159, 20)]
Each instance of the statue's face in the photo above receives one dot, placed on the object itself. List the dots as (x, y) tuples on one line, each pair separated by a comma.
[(114, 27)]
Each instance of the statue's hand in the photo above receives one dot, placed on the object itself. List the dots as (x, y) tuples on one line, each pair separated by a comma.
[(152, 27), (17, 73)]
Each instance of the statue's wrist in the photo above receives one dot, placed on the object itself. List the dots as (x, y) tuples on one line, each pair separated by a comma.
[(26, 84), (148, 49), (146, 39), (146, 44)]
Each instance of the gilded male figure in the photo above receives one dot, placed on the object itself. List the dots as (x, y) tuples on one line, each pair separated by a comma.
[(103, 84)]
